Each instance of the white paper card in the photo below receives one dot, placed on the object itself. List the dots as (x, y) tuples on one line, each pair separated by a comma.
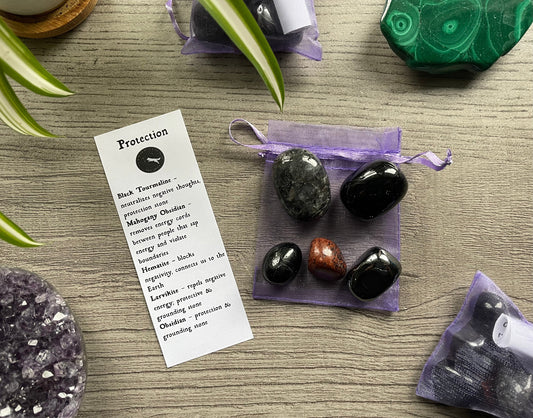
[(292, 14), (173, 238)]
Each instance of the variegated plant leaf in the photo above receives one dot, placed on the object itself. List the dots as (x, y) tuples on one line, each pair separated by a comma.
[(13, 234), (237, 21), (14, 114), (19, 63)]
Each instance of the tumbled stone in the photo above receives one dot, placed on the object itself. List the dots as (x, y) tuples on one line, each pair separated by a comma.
[(454, 387), (302, 184), (373, 189), (282, 263), (375, 272), (514, 390), (205, 28), (42, 360), (325, 260), (264, 12), (449, 35), (489, 306)]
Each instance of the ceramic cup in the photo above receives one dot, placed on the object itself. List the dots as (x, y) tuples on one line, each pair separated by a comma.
[(29, 7)]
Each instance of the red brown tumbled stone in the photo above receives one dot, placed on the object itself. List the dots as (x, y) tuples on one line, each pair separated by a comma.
[(325, 260)]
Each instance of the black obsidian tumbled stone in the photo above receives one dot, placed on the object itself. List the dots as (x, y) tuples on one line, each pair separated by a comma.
[(302, 184), (375, 272), (454, 387), (282, 263), (489, 306), (204, 27), (373, 189)]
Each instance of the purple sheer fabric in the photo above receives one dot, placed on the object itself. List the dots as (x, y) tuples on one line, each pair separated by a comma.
[(305, 42), (484, 359), (353, 237)]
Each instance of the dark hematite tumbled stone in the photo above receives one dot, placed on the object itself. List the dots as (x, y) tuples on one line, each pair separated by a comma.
[(489, 306), (374, 189), (42, 361), (375, 272), (282, 263), (302, 184)]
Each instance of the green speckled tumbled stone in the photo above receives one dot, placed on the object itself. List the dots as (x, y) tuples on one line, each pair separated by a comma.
[(440, 36)]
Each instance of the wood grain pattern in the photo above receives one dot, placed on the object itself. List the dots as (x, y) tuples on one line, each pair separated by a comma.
[(124, 63)]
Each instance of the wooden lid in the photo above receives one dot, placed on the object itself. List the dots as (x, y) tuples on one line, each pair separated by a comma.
[(54, 23)]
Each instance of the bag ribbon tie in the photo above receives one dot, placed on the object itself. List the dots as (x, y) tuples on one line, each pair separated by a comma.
[(267, 146)]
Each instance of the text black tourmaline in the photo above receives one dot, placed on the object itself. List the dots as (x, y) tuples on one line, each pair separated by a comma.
[(282, 263), (302, 184), (375, 272), (373, 189)]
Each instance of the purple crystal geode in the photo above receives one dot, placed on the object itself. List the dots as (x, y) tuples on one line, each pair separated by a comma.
[(42, 359)]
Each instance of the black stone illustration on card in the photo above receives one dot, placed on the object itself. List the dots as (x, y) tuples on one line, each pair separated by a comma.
[(150, 159)]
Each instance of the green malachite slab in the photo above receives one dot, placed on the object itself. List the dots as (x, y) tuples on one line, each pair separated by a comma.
[(446, 35)]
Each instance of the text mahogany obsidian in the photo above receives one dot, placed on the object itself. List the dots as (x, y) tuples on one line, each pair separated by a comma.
[(282, 263), (302, 184), (373, 189), (375, 272)]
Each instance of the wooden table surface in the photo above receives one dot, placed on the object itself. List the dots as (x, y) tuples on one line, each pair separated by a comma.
[(124, 62)]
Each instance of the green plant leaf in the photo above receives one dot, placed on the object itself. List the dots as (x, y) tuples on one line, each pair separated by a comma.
[(19, 63), (13, 234), (237, 21), (14, 114)]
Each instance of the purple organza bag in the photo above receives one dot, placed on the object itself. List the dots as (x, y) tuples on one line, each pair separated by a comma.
[(341, 150), (484, 360), (286, 30)]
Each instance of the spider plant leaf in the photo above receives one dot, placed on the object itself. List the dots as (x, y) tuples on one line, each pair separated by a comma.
[(13, 234), (237, 21), (14, 114), (19, 63)]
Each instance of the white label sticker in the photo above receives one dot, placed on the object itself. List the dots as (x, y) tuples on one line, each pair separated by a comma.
[(173, 238), (293, 15)]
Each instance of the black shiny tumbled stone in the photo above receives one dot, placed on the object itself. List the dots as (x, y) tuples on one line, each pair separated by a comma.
[(375, 272), (204, 27), (489, 306), (302, 184), (455, 387), (373, 189), (282, 263)]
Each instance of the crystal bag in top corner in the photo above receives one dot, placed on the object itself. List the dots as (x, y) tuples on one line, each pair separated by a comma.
[(484, 359), (288, 25), (341, 150)]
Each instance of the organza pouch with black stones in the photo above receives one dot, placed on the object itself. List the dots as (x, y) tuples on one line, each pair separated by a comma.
[(206, 36), (342, 150), (484, 359)]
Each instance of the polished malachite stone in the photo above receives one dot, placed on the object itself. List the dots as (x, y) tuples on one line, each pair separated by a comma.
[(446, 35)]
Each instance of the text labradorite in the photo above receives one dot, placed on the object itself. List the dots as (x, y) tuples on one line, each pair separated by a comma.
[(123, 143)]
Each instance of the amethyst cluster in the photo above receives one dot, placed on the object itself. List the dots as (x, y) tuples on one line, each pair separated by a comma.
[(42, 360)]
